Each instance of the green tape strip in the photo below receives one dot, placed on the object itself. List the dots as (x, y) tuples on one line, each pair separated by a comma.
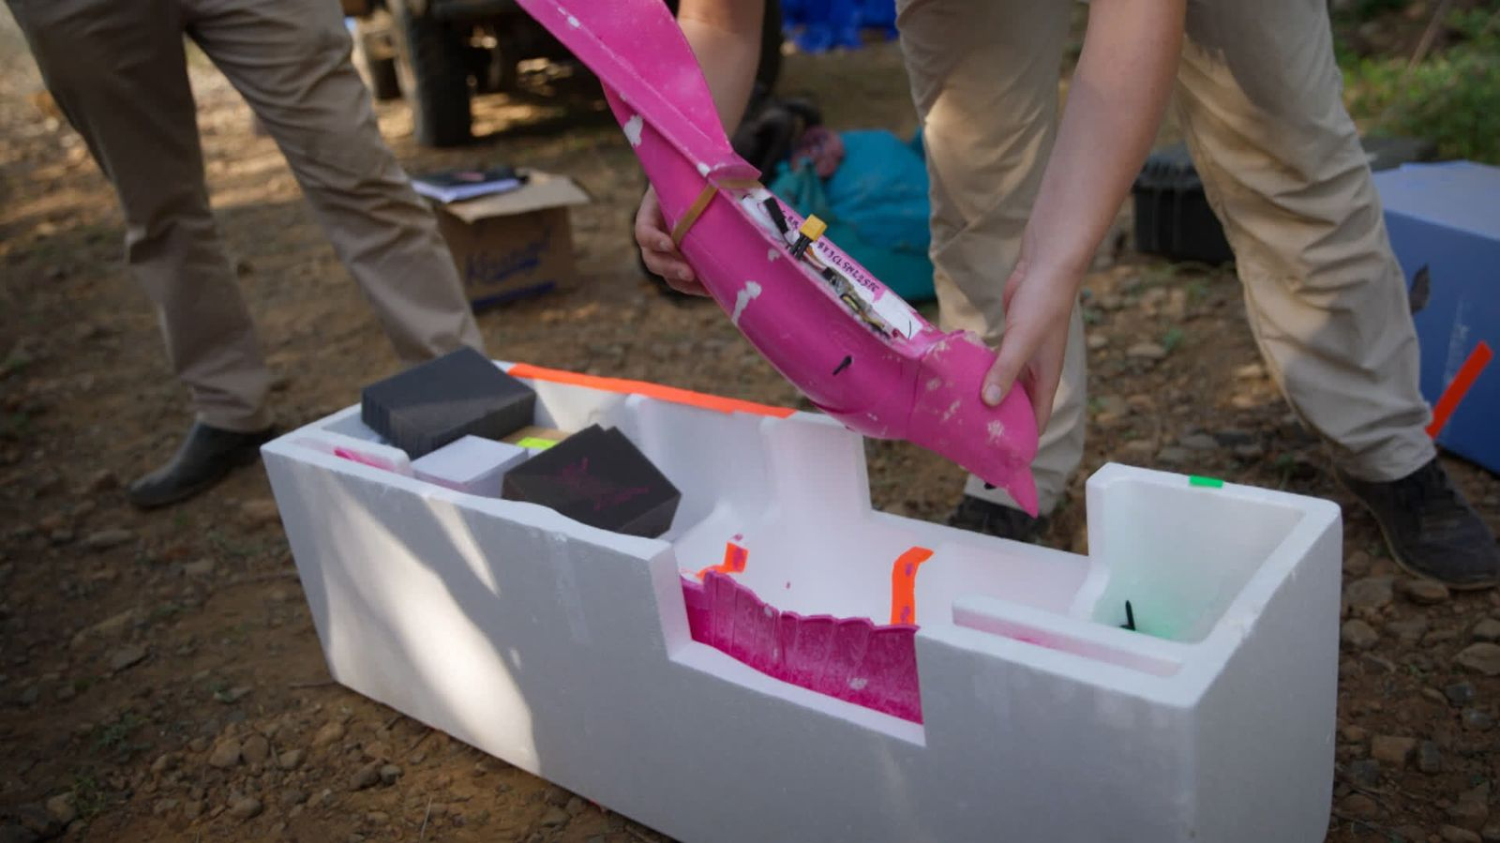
[(1206, 482), (536, 442)]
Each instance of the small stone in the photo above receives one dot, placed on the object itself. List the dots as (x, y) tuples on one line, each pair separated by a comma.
[(389, 773), (293, 796), (193, 809), (1172, 455), (106, 539), (1483, 657), (1392, 750), (1425, 592), (1477, 720), (1199, 442), (198, 744), (226, 754), (244, 807), (110, 627), (1469, 813), (332, 732), (574, 807), (1358, 564), (163, 763), (201, 568), (377, 817), (1408, 632), (127, 656), (368, 776), (1249, 452), (1146, 351), (554, 817), (1435, 695), (290, 760), (233, 695), (1365, 772), (1358, 635), (63, 808), (1459, 693), (1369, 593), (1097, 341), (1490, 834), (1438, 636), (1429, 760), (1360, 806), (29, 697), (1354, 734), (259, 513), (101, 481), (1454, 834), (256, 749), (163, 807), (1250, 371), (1487, 629)]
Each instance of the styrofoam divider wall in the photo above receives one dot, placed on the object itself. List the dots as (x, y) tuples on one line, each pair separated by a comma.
[(565, 650)]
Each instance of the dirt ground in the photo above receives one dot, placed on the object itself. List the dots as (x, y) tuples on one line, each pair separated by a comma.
[(159, 674)]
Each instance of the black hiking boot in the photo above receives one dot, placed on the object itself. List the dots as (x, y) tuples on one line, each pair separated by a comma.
[(1430, 529), (206, 456), (982, 516)]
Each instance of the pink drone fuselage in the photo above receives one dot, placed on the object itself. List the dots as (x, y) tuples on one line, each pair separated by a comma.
[(852, 346)]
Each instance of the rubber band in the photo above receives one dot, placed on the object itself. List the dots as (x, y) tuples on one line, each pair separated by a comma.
[(694, 211), (705, 196)]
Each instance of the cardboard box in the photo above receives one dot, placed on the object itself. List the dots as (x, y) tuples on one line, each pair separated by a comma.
[(514, 244), (1444, 223)]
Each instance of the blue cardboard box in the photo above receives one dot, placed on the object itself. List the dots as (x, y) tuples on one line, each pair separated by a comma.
[(1444, 222)]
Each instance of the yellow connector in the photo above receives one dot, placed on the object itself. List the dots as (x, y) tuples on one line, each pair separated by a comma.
[(811, 229)]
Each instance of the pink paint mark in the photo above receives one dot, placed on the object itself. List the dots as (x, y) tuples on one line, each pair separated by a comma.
[(850, 659), (354, 456)]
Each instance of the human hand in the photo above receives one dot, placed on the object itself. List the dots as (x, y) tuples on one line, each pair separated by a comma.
[(657, 250), (1039, 302)]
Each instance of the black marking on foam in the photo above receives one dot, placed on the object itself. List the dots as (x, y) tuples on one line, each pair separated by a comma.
[(844, 365)]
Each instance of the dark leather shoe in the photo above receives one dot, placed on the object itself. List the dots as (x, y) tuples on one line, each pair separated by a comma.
[(206, 456), (982, 516), (1431, 530)]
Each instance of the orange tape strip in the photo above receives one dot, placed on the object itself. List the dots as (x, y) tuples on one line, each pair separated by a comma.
[(735, 558), (904, 585), (1467, 373), (650, 390)]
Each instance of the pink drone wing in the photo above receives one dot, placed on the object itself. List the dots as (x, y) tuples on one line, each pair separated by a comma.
[(831, 328)]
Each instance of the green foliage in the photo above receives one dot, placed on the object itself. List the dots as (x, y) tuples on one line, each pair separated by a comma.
[(114, 738), (1451, 98), (1172, 338)]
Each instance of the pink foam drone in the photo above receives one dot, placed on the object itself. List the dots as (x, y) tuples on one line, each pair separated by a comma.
[(853, 347)]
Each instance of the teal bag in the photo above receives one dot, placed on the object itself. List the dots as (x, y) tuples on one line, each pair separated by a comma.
[(875, 205)]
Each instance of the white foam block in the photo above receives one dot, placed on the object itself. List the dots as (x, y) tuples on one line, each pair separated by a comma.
[(472, 464), (565, 650)]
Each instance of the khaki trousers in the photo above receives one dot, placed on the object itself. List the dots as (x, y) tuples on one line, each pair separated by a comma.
[(119, 73), (1260, 98)]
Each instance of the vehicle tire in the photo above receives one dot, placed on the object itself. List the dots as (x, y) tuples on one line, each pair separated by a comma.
[(379, 73), (434, 77)]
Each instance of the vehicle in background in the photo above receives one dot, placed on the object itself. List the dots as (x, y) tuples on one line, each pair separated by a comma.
[(439, 53)]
